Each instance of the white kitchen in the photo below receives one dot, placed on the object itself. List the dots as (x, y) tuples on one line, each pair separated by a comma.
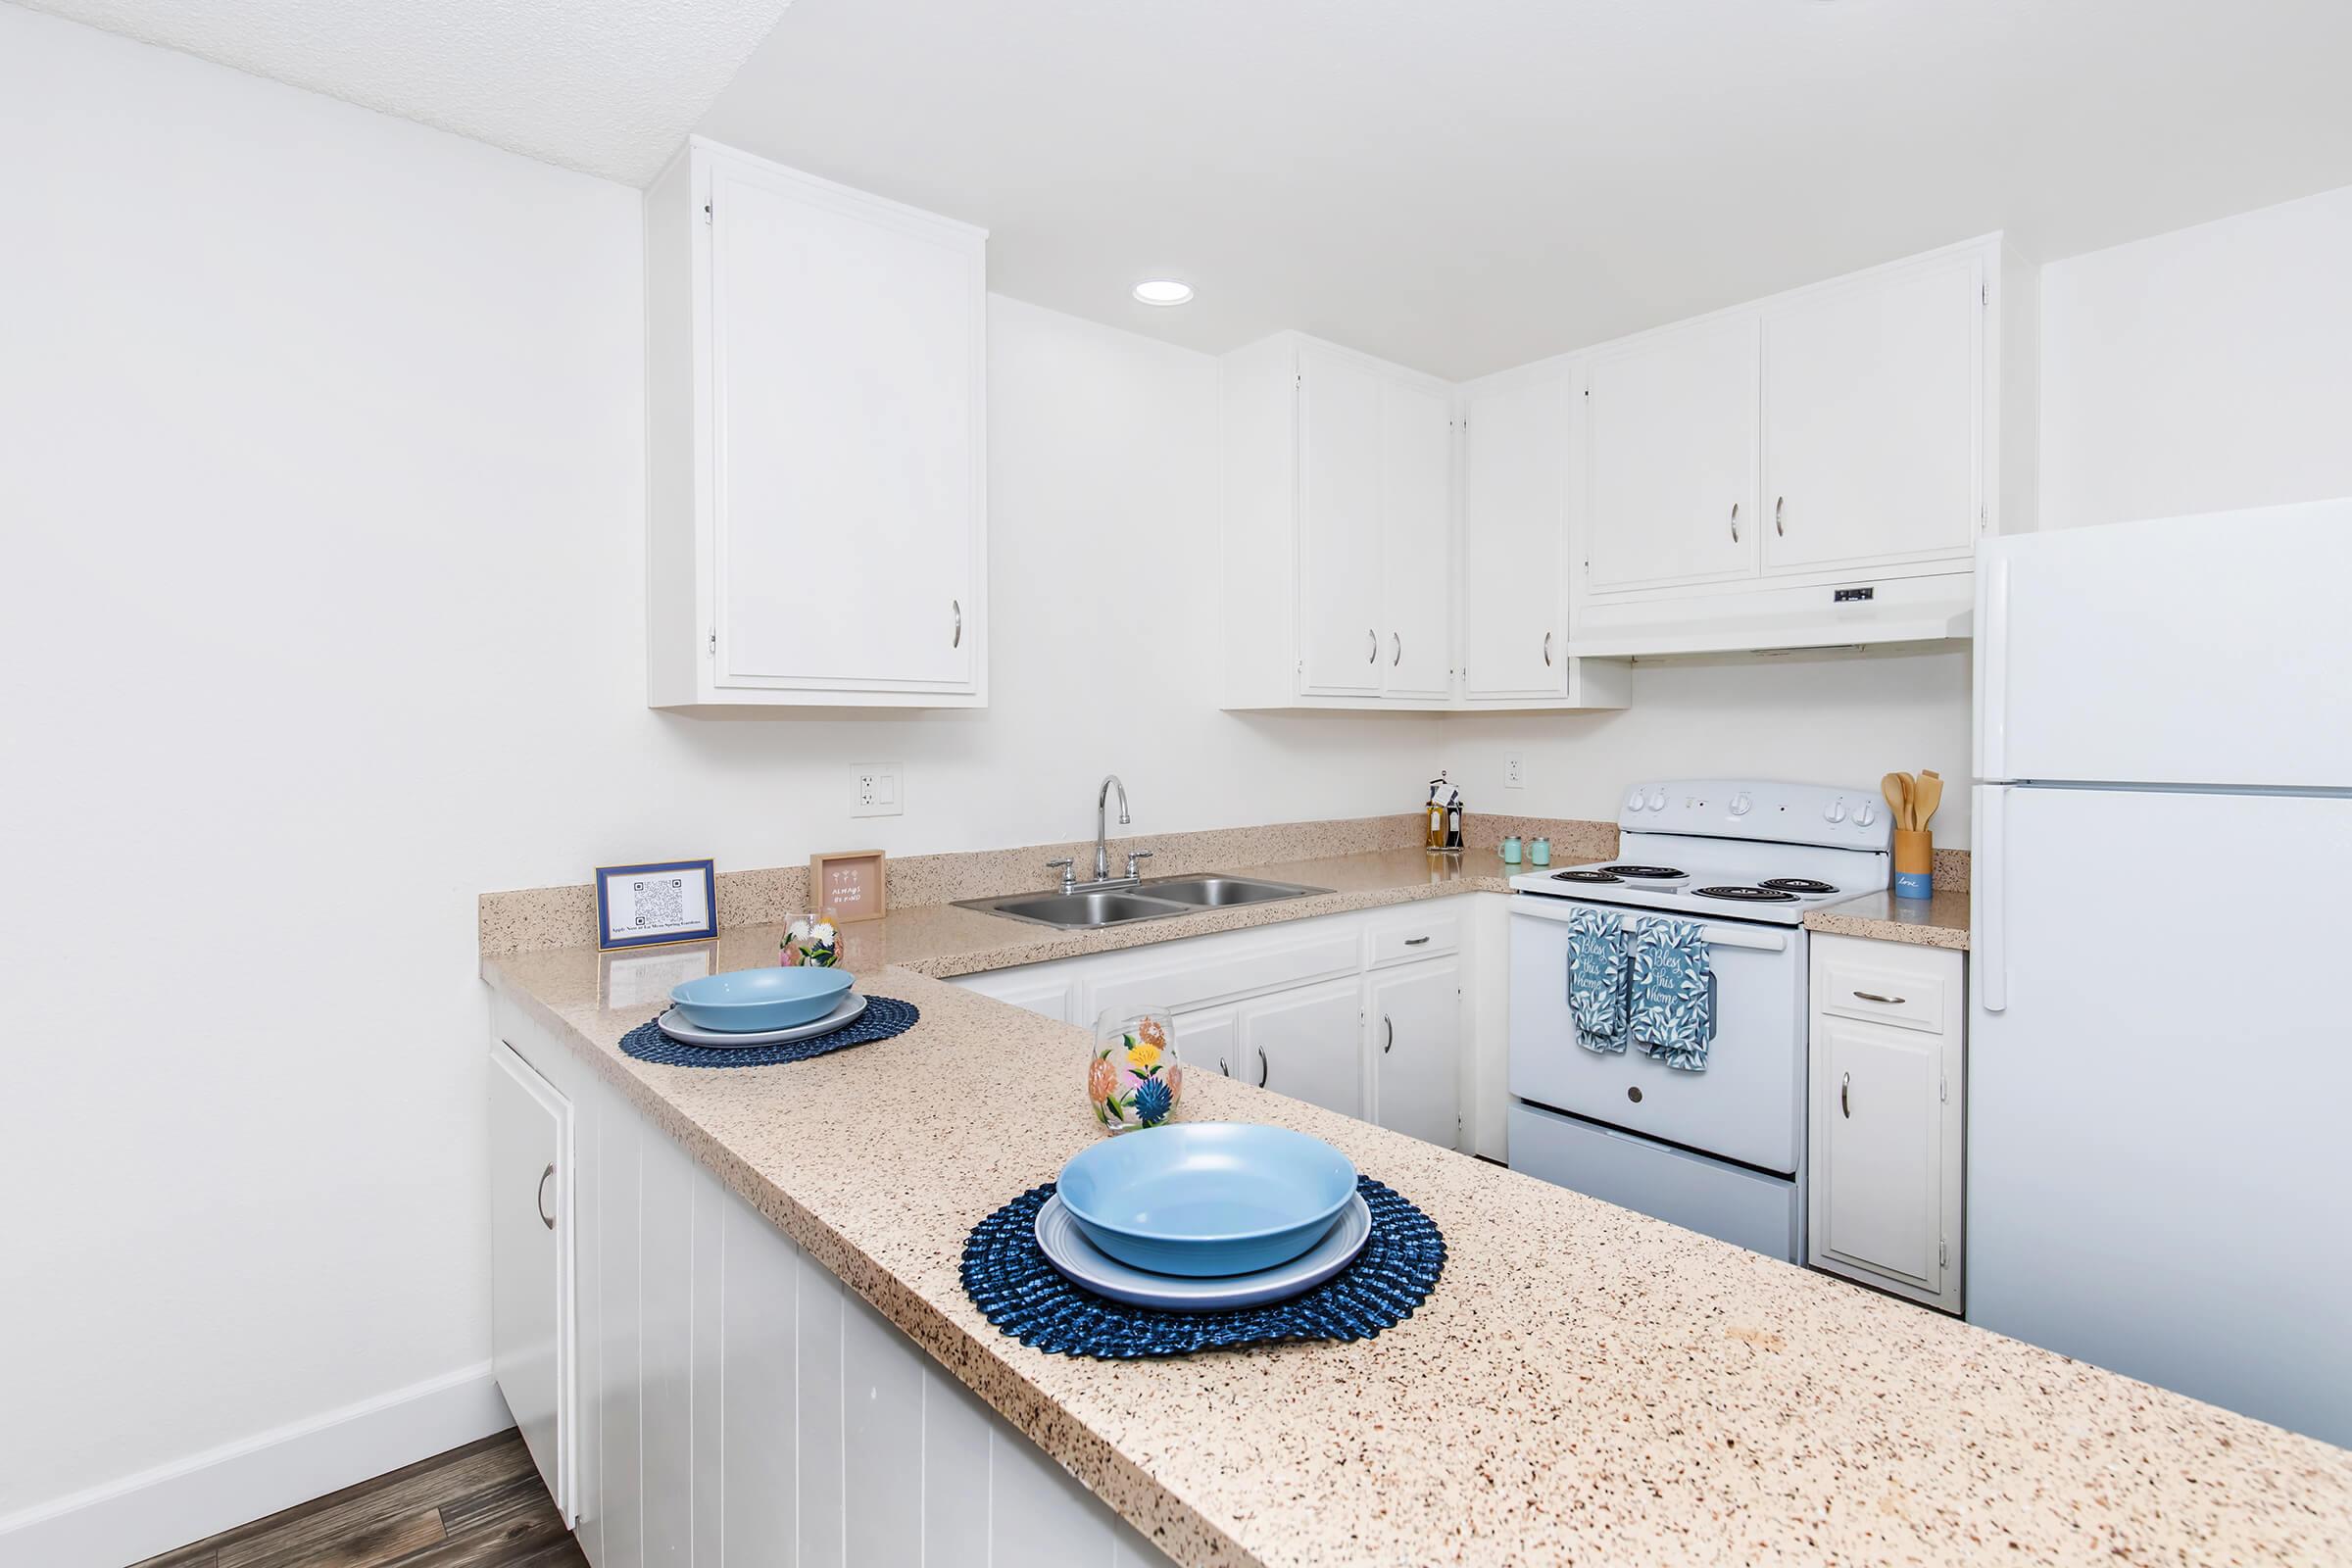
[(896, 783)]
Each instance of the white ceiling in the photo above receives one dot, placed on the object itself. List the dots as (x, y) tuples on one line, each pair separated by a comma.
[(1468, 184), (608, 86)]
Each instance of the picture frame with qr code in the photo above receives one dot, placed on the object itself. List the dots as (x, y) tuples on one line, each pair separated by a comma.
[(668, 900)]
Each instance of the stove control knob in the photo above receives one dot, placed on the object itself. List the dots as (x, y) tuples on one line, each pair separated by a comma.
[(1657, 799), (1865, 814), (1636, 801), (1741, 805), (1835, 812)]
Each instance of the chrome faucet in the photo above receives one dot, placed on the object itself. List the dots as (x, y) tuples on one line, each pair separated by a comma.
[(1111, 781)]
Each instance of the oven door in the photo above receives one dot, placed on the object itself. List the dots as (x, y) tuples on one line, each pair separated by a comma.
[(1747, 1105)]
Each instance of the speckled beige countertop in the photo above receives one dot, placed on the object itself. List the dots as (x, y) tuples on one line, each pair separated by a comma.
[(1936, 921), (1586, 1385)]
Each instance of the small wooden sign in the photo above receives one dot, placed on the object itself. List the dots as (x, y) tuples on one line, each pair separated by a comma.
[(849, 885)]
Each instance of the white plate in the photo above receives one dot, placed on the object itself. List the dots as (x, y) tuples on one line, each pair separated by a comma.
[(686, 1034), (1067, 1247)]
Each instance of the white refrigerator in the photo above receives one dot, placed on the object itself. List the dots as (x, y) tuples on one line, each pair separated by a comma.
[(2159, 1172)]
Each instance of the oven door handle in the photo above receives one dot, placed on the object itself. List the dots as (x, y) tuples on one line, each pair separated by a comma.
[(1535, 907), (1714, 1006)]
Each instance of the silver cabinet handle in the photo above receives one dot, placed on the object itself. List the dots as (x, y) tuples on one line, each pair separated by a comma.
[(1415, 941), (545, 1218), (1261, 1067), (1372, 658), (1223, 1068), (1391, 1042), (1395, 650), (1547, 650), (1846, 1103), (1873, 996), (957, 641), (1777, 526), (1734, 523)]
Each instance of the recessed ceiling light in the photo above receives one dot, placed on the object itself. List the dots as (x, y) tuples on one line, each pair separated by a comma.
[(1164, 291)]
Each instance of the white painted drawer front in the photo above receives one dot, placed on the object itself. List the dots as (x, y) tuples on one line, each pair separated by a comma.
[(1883, 982), (1413, 934), (1729, 1203)]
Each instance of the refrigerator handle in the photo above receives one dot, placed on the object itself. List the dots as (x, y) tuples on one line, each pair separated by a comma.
[(1990, 876), (1992, 666)]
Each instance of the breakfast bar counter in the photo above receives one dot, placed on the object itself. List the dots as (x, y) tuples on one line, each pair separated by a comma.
[(1585, 1384)]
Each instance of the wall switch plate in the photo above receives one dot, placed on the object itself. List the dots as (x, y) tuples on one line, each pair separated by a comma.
[(874, 789), (1514, 772)]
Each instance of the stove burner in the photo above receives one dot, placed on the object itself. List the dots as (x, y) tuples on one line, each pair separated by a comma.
[(1749, 895), (1646, 873), (1795, 884), (1584, 876)]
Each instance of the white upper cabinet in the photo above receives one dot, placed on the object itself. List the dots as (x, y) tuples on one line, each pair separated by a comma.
[(1340, 525), (1517, 435), (1812, 469), (1672, 443), (1873, 420), (1342, 547), (815, 394), (1416, 509)]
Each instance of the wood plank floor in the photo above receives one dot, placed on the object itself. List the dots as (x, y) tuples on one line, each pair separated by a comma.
[(479, 1506)]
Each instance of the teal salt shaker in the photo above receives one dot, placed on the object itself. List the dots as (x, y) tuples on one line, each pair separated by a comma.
[(1539, 852), (1510, 850)]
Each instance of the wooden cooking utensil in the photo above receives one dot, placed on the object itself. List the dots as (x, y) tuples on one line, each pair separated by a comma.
[(1931, 796), (1891, 785)]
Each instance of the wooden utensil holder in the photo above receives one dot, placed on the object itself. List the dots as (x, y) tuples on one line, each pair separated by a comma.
[(1914, 862)]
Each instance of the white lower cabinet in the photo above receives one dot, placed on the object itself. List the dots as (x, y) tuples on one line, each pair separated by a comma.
[(532, 1319), (1308, 1044), (737, 1407), (1361, 1013), (1414, 1015), (1885, 1127)]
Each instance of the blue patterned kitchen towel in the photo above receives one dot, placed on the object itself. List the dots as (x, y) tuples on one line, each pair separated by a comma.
[(1672, 1012), (1596, 978)]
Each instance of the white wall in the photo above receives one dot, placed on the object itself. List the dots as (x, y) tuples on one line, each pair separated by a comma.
[(1836, 718), (2200, 371), (319, 466)]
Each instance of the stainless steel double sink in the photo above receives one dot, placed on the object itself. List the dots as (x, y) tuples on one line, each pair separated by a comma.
[(1093, 908)]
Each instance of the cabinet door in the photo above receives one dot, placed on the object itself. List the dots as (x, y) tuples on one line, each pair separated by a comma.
[(1049, 990), (1416, 491), (1209, 1040), (1878, 1165), (1874, 422), (1339, 577), (1515, 539), (1415, 1018), (531, 1263), (1671, 436), (846, 345), (1308, 1044)]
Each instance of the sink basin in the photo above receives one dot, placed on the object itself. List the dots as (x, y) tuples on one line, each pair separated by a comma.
[(1218, 892), (1092, 909), (1074, 910)]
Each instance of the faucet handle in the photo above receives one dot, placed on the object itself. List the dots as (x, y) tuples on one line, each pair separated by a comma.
[(1134, 856), (1069, 876)]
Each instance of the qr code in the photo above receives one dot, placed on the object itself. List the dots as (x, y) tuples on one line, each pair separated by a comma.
[(661, 902)]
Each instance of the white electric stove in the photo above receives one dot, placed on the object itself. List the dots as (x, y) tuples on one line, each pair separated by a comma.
[(1721, 1151)]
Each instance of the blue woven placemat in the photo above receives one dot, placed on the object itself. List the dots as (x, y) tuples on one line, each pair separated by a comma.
[(883, 1017), (1008, 1279)]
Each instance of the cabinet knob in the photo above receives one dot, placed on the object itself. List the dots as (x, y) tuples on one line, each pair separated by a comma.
[(545, 1218)]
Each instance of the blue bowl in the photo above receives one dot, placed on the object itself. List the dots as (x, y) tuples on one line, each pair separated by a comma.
[(742, 1001), (1208, 1198)]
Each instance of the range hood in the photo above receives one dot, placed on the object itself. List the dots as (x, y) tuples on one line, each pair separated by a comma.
[(1907, 610)]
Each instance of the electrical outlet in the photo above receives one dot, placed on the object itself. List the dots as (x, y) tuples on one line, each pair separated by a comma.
[(1514, 772), (874, 789)]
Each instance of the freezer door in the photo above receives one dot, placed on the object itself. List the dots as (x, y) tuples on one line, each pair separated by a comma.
[(2204, 650), (2159, 1166)]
